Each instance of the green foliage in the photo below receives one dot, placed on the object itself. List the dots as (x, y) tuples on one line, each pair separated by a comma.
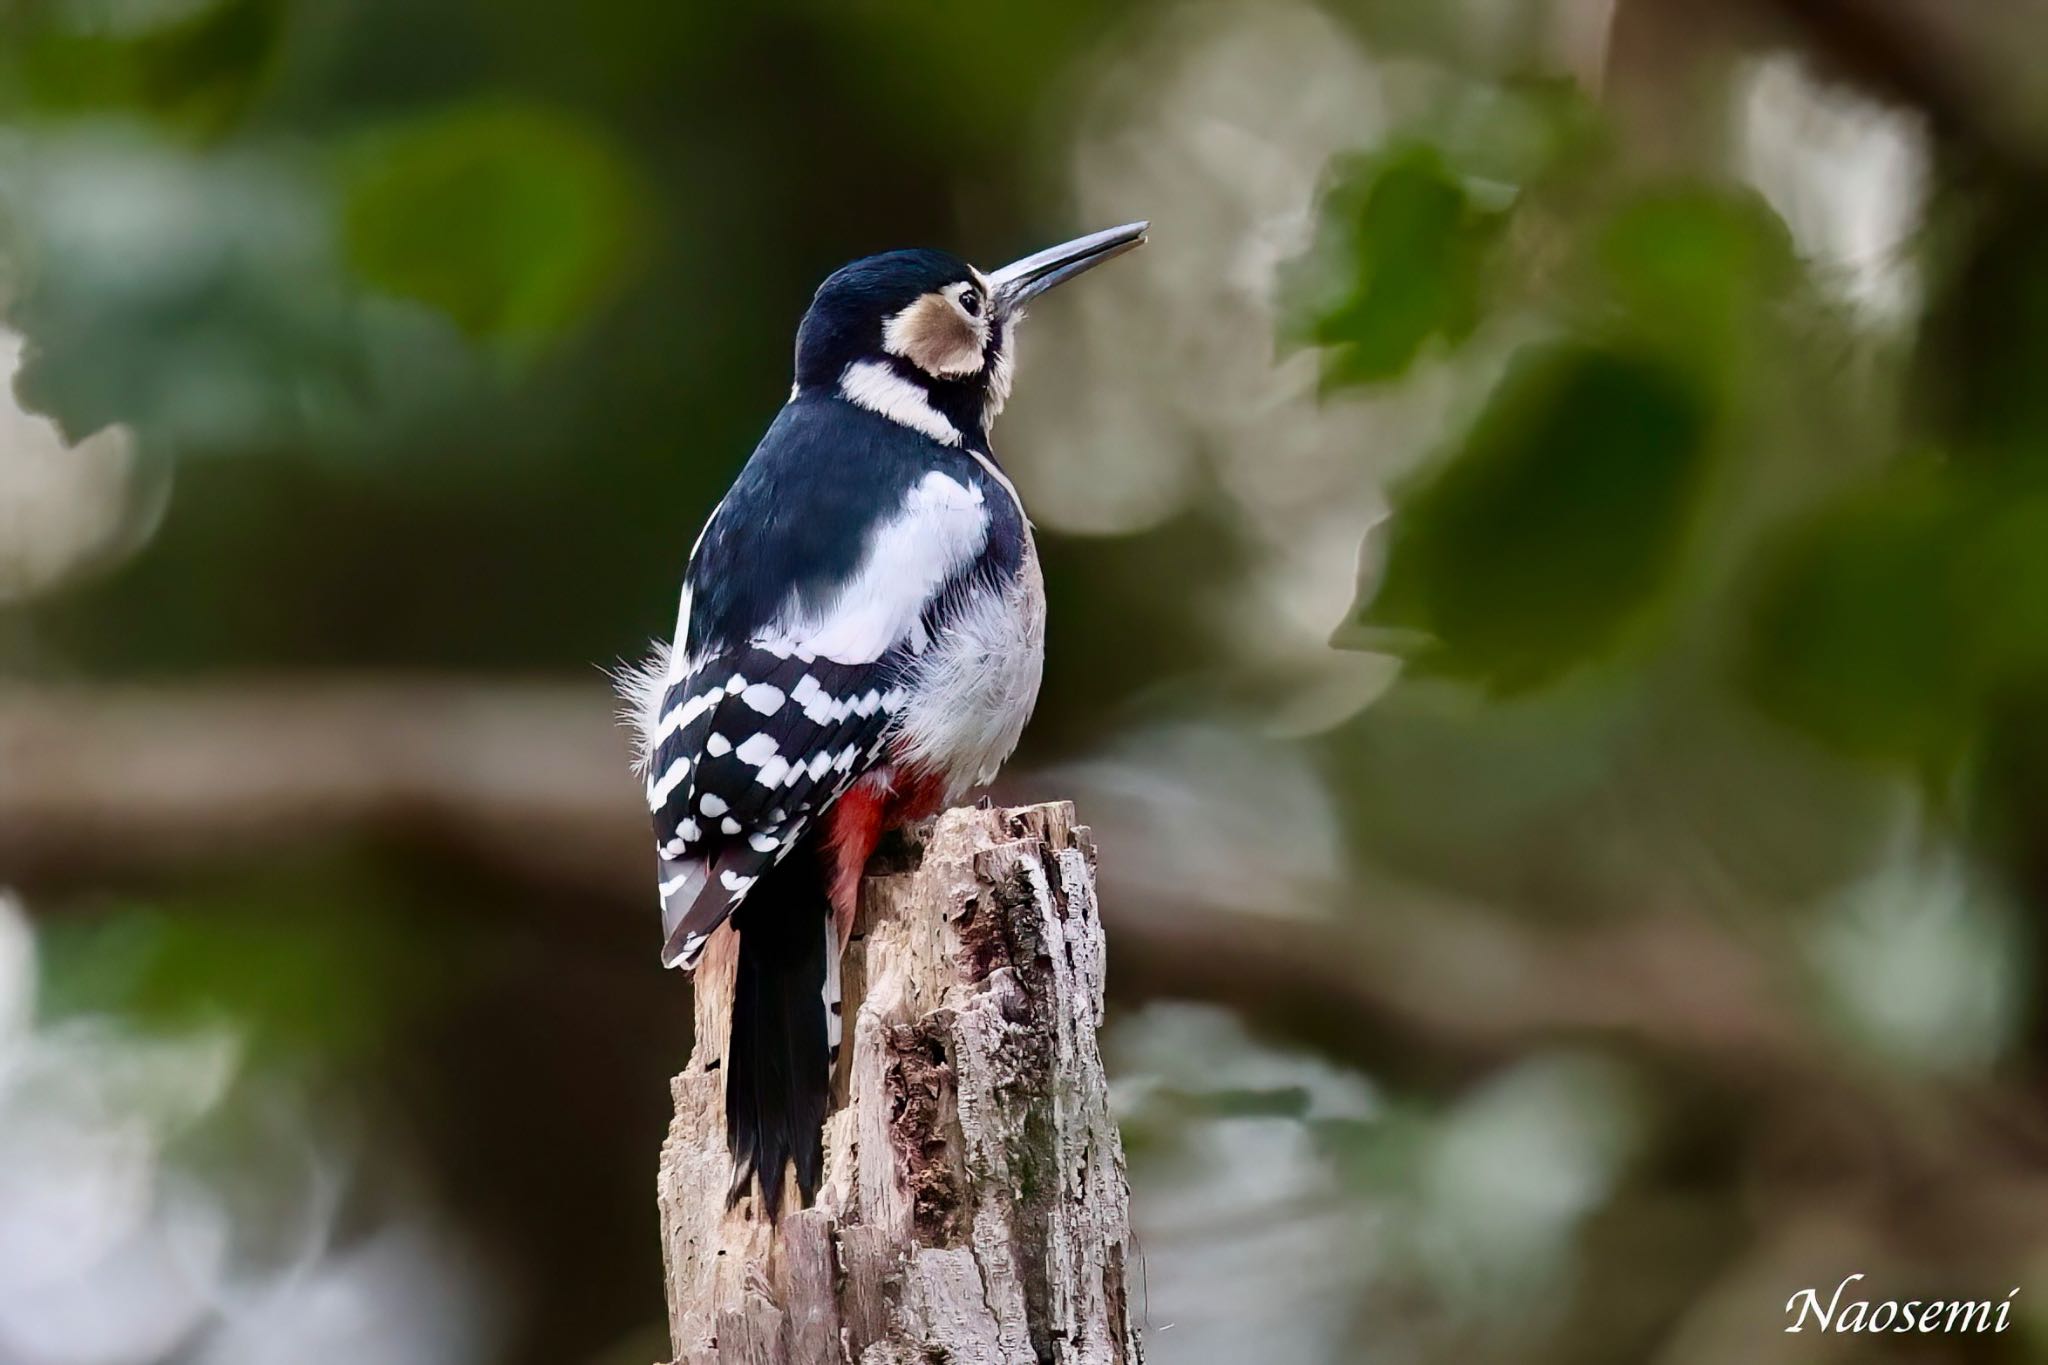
[(1855, 636), (1553, 526), (1691, 272), (512, 219), (1397, 264), (1564, 515), (1979, 371), (1892, 622), (1527, 134), (306, 967), (207, 296), (191, 292), (1411, 242), (197, 68)]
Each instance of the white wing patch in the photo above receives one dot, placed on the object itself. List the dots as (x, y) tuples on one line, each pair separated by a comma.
[(938, 532)]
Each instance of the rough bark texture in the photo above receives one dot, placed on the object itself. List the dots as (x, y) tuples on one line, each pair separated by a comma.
[(974, 1208)]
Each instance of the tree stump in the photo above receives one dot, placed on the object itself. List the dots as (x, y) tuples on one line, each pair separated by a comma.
[(974, 1209)]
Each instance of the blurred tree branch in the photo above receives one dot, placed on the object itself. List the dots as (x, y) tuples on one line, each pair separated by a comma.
[(524, 786), (526, 783), (1967, 66), (1970, 65), (526, 779)]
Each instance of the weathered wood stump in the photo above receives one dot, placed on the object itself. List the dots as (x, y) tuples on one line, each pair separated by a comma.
[(974, 1208)]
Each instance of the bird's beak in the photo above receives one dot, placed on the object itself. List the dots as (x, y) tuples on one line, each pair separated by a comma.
[(1022, 280)]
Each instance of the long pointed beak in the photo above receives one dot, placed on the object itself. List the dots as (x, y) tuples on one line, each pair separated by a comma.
[(1040, 271)]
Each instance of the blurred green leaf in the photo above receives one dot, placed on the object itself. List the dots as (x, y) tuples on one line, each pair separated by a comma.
[(305, 969), (514, 220), (1518, 133), (1397, 262), (1559, 521), (1854, 638), (195, 294), (2001, 587), (198, 65), (1984, 332), (1688, 269), (1895, 620)]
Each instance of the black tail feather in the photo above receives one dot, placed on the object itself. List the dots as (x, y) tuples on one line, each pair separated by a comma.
[(778, 1069)]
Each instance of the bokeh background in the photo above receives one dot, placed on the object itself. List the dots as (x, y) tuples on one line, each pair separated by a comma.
[(1548, 554)]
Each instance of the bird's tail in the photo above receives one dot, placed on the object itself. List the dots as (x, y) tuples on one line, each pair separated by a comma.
[(778, 1069)]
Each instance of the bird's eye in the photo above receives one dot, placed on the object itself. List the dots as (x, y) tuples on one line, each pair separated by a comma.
[(970, 303)]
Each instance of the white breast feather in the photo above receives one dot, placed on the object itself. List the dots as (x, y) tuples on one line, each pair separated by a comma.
[(974, 689)]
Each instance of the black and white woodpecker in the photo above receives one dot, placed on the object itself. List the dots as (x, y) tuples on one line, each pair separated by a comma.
[(859, 643)]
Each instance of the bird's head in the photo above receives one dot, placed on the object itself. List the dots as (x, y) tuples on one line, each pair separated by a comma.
[(927, 340)]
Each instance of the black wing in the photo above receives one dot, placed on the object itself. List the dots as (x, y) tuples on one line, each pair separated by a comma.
[(764, 738)]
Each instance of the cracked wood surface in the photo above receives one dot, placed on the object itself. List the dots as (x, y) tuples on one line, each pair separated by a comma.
[(974, 1209)]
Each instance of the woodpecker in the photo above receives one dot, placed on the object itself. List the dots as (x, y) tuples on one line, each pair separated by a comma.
[(859, 643)]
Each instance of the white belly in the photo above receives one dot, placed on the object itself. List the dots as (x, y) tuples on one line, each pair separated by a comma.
[(974, 686)]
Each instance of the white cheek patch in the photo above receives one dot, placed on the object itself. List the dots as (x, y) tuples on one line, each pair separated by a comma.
[(873, 385)]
